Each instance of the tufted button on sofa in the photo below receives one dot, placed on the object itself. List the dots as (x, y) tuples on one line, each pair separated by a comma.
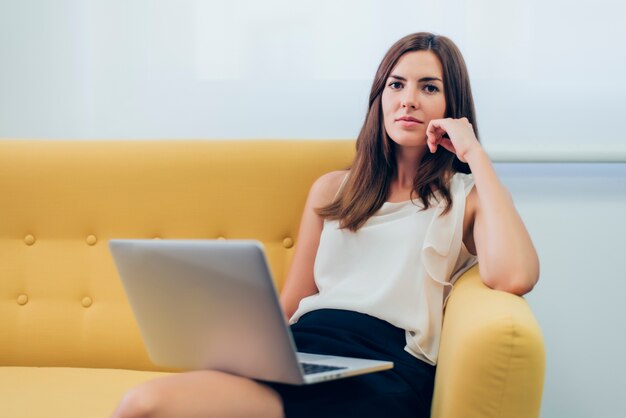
[(69, 344)]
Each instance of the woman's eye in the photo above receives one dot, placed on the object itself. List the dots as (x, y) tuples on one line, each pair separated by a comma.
[(395, 83), (431, 88)]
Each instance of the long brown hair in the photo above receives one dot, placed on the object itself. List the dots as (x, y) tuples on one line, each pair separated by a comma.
[(375, 164)]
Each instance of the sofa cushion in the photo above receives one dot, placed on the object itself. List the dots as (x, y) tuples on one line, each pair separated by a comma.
[(65, 392)]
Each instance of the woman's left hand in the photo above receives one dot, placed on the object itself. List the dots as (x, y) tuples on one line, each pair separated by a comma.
[(461, 135)]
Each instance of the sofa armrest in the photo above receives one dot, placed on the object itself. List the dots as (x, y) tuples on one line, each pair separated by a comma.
[(491, 358)]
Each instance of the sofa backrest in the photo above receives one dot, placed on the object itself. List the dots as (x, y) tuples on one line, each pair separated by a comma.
[(61, 301)]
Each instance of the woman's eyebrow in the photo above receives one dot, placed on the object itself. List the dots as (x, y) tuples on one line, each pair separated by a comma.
[(421, 80)]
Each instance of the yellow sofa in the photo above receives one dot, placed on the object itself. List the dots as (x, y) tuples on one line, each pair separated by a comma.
[(69, 345)]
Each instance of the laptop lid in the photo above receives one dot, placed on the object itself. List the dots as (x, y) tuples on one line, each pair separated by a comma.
[(208, 304)]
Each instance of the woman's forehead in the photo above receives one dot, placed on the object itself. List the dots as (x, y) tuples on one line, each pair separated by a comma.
[(418, 64)]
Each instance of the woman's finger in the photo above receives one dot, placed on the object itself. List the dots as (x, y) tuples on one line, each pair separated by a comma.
[(434, 134), (433, 126), (431, 142)]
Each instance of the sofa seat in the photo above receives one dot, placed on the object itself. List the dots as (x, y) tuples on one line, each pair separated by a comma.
[(66, 392)]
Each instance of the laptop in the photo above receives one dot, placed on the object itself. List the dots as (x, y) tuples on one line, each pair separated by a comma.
[(212, 304)]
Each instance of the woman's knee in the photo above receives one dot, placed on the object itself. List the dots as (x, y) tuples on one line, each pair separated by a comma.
[(138, 402)]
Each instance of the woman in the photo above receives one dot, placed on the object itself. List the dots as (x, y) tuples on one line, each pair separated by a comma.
[(378, 249)]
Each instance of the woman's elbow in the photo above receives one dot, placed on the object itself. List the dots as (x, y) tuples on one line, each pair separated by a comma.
[(520, 286), (516, 281)]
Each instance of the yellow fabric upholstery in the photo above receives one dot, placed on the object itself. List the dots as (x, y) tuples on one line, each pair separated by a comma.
[(69, 345), (63, 392), (491, 359)]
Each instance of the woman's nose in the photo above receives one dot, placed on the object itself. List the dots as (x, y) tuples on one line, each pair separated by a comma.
[(410, 99)]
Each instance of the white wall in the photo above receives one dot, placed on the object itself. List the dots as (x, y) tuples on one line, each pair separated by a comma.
[(575, 214), (548, 83), (547, 75)]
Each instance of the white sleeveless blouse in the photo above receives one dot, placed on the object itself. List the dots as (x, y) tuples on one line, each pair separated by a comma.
[(399, 267)]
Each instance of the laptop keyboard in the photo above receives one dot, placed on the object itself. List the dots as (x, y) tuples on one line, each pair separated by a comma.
[(310, 368)]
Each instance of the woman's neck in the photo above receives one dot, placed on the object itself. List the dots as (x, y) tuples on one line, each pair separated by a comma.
[(407, 164)]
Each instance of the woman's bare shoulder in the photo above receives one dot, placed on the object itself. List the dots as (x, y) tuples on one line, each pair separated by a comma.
[(326, 187)]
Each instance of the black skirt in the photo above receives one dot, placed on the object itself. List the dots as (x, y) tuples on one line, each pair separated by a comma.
[(404, 391)]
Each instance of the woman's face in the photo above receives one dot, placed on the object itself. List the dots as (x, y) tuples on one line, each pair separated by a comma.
[(413, 90)]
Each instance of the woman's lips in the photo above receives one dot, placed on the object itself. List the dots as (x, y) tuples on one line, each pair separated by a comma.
[(408, 123)]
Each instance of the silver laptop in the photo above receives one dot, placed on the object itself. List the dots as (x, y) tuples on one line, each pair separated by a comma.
[(212, 304)]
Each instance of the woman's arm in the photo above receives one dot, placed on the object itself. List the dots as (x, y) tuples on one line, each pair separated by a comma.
[(507, 258), (300, 281)]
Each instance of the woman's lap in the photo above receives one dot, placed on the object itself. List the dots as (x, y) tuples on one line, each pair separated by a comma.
[(404, 391)]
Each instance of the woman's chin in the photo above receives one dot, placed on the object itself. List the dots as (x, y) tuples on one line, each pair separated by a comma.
[(409, 141)]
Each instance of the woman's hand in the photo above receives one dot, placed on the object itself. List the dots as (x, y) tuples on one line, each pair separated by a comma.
[(461, 138)]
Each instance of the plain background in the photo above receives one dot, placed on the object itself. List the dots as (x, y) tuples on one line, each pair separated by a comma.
[(548, 82)]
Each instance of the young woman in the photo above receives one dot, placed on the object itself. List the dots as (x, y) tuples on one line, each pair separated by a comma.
[(379, 248)]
